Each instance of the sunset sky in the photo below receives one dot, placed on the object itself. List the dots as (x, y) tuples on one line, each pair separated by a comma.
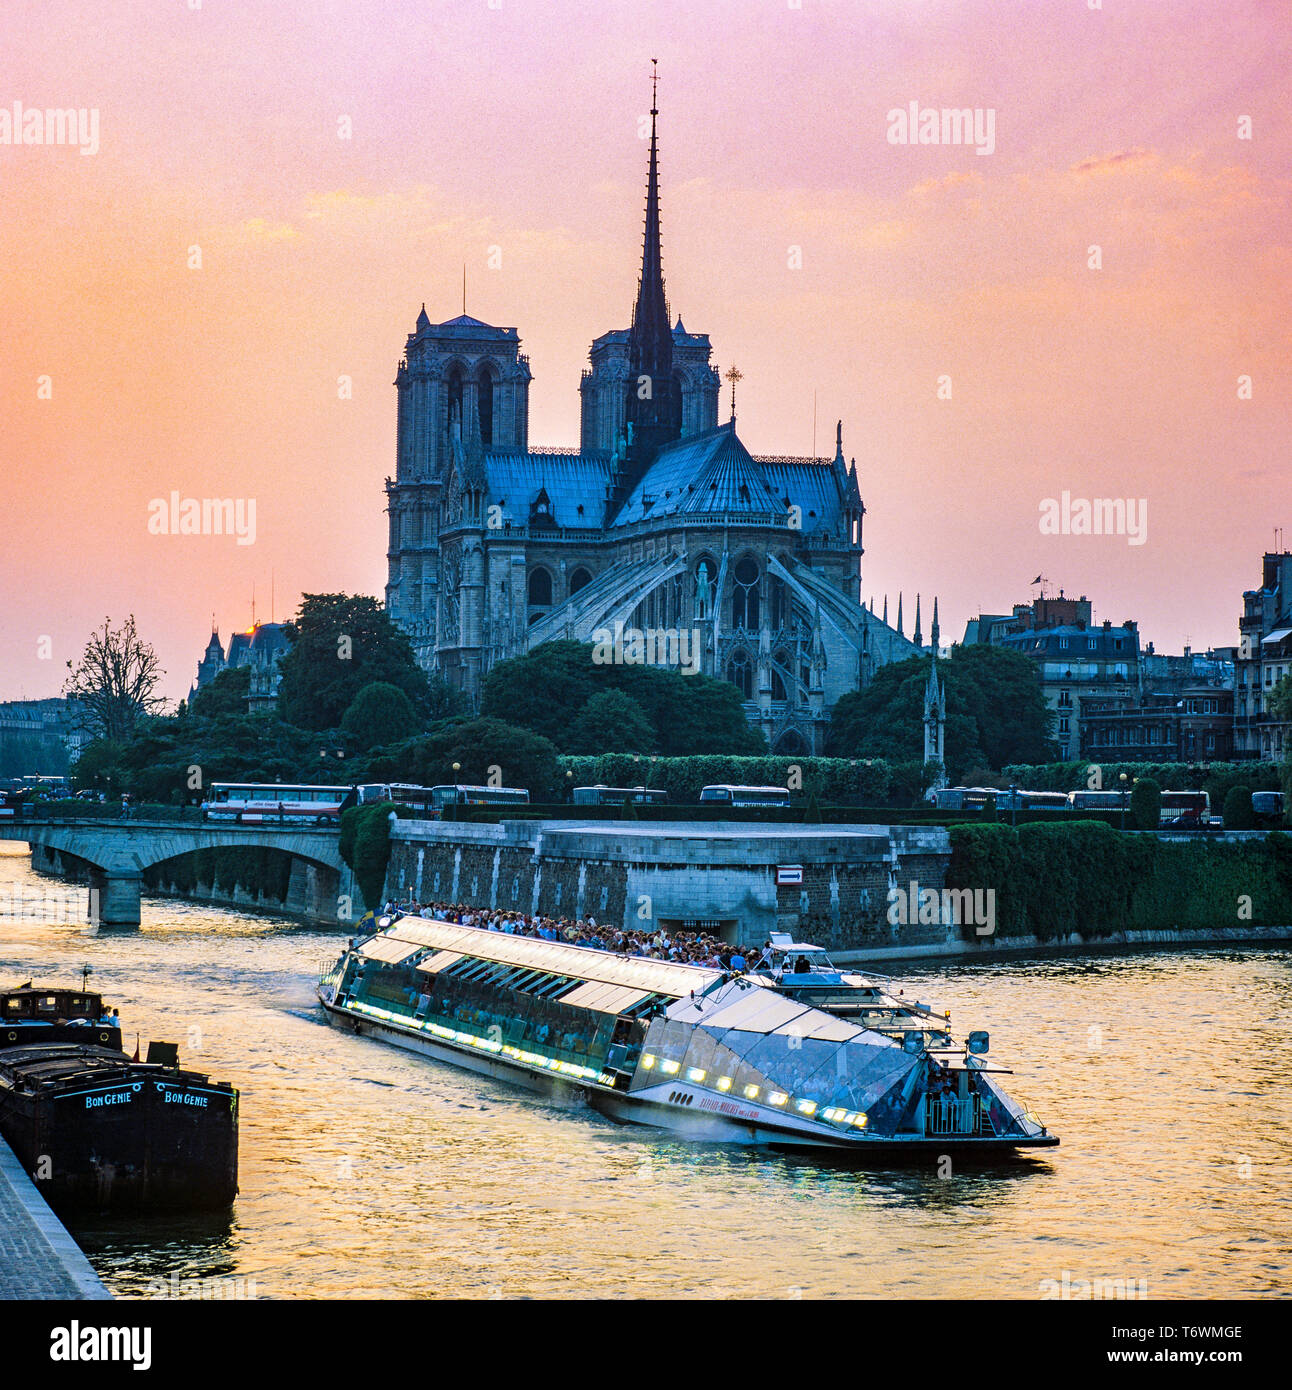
[(517, 127)]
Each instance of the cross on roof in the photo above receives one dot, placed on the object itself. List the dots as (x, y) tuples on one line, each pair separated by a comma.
[(733, 375)]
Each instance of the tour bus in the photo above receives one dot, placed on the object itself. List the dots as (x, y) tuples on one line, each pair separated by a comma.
[(1267, 808), (460, 795), (726, 794), (419, 799), (965, 798), (616, 796), (1178, 807), (278, 803), (1019, 799)]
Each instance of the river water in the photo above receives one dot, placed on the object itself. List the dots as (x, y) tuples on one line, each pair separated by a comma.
[(367, 1172)]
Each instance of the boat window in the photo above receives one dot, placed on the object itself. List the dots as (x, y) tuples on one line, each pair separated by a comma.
[(47, 1004)]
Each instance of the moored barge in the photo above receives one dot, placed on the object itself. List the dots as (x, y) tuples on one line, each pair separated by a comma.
[(701, 1052), (101, 1131)]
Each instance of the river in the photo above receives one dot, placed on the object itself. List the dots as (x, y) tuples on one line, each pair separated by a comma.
[(367, 1172)]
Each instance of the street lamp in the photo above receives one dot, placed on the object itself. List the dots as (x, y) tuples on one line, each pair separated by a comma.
[(1124, 780), (1013, 803)]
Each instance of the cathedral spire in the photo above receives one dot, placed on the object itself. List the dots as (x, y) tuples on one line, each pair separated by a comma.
[(900, 633), (933, 631), (916, 638), (651, 403)]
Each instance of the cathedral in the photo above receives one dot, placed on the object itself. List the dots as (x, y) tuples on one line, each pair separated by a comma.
[(661, 524)]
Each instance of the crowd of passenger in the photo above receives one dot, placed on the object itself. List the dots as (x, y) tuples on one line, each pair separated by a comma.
[(683, 947)]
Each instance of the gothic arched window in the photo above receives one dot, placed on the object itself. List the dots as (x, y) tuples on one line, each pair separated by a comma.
[(741, 674), (779, 598), (540, 588), (579, 579), (779, 659), (744, 593), (484, 410), (455, 386)]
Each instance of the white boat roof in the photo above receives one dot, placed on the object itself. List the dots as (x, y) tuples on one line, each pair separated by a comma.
[(752, 1007), (635, 973)]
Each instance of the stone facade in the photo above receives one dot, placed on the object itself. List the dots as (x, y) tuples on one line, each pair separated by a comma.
[(1262, 659), (722, 877)]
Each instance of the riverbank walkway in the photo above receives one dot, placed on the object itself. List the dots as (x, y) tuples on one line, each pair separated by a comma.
[(38, 1259)]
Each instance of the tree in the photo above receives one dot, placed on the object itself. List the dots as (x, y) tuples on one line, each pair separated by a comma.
[(487, 751), (379, 714), (1146, 804), (1279, 703), (538, 690), (689, 714), (995, 711), (226, 694), (339, 644), (693, 714), (114, 685), (443, 701), (1237, 812), (610, 722)]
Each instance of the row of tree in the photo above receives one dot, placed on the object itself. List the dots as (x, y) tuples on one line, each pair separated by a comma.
[(354, 705)]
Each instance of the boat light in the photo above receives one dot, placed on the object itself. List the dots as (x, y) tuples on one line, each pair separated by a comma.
[(859, 1121), (751, 1092), (670, 1068), (806, 1107), (696, 1074), (724, 1083), (777, 1098), (648, 1060)]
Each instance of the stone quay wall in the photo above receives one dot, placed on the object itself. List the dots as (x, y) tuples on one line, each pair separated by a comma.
[(722, 876)]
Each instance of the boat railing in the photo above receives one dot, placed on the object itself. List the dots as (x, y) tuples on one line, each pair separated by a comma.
[(951, 1115)]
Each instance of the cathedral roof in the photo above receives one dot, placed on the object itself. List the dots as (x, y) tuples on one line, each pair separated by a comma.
[(575, 483), (464, 326), (810, 484), (700, 474)]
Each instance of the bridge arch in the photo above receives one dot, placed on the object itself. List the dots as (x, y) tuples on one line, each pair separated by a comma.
[(120, 859)]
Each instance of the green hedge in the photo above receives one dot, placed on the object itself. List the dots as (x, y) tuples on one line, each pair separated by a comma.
[(365, 846), (801, 814), (1053, 880)]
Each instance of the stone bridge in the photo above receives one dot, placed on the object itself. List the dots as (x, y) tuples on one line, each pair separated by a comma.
[(114, 854)]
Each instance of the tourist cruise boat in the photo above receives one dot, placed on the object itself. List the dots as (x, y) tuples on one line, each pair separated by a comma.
[(703, 1053), (806, 973)]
